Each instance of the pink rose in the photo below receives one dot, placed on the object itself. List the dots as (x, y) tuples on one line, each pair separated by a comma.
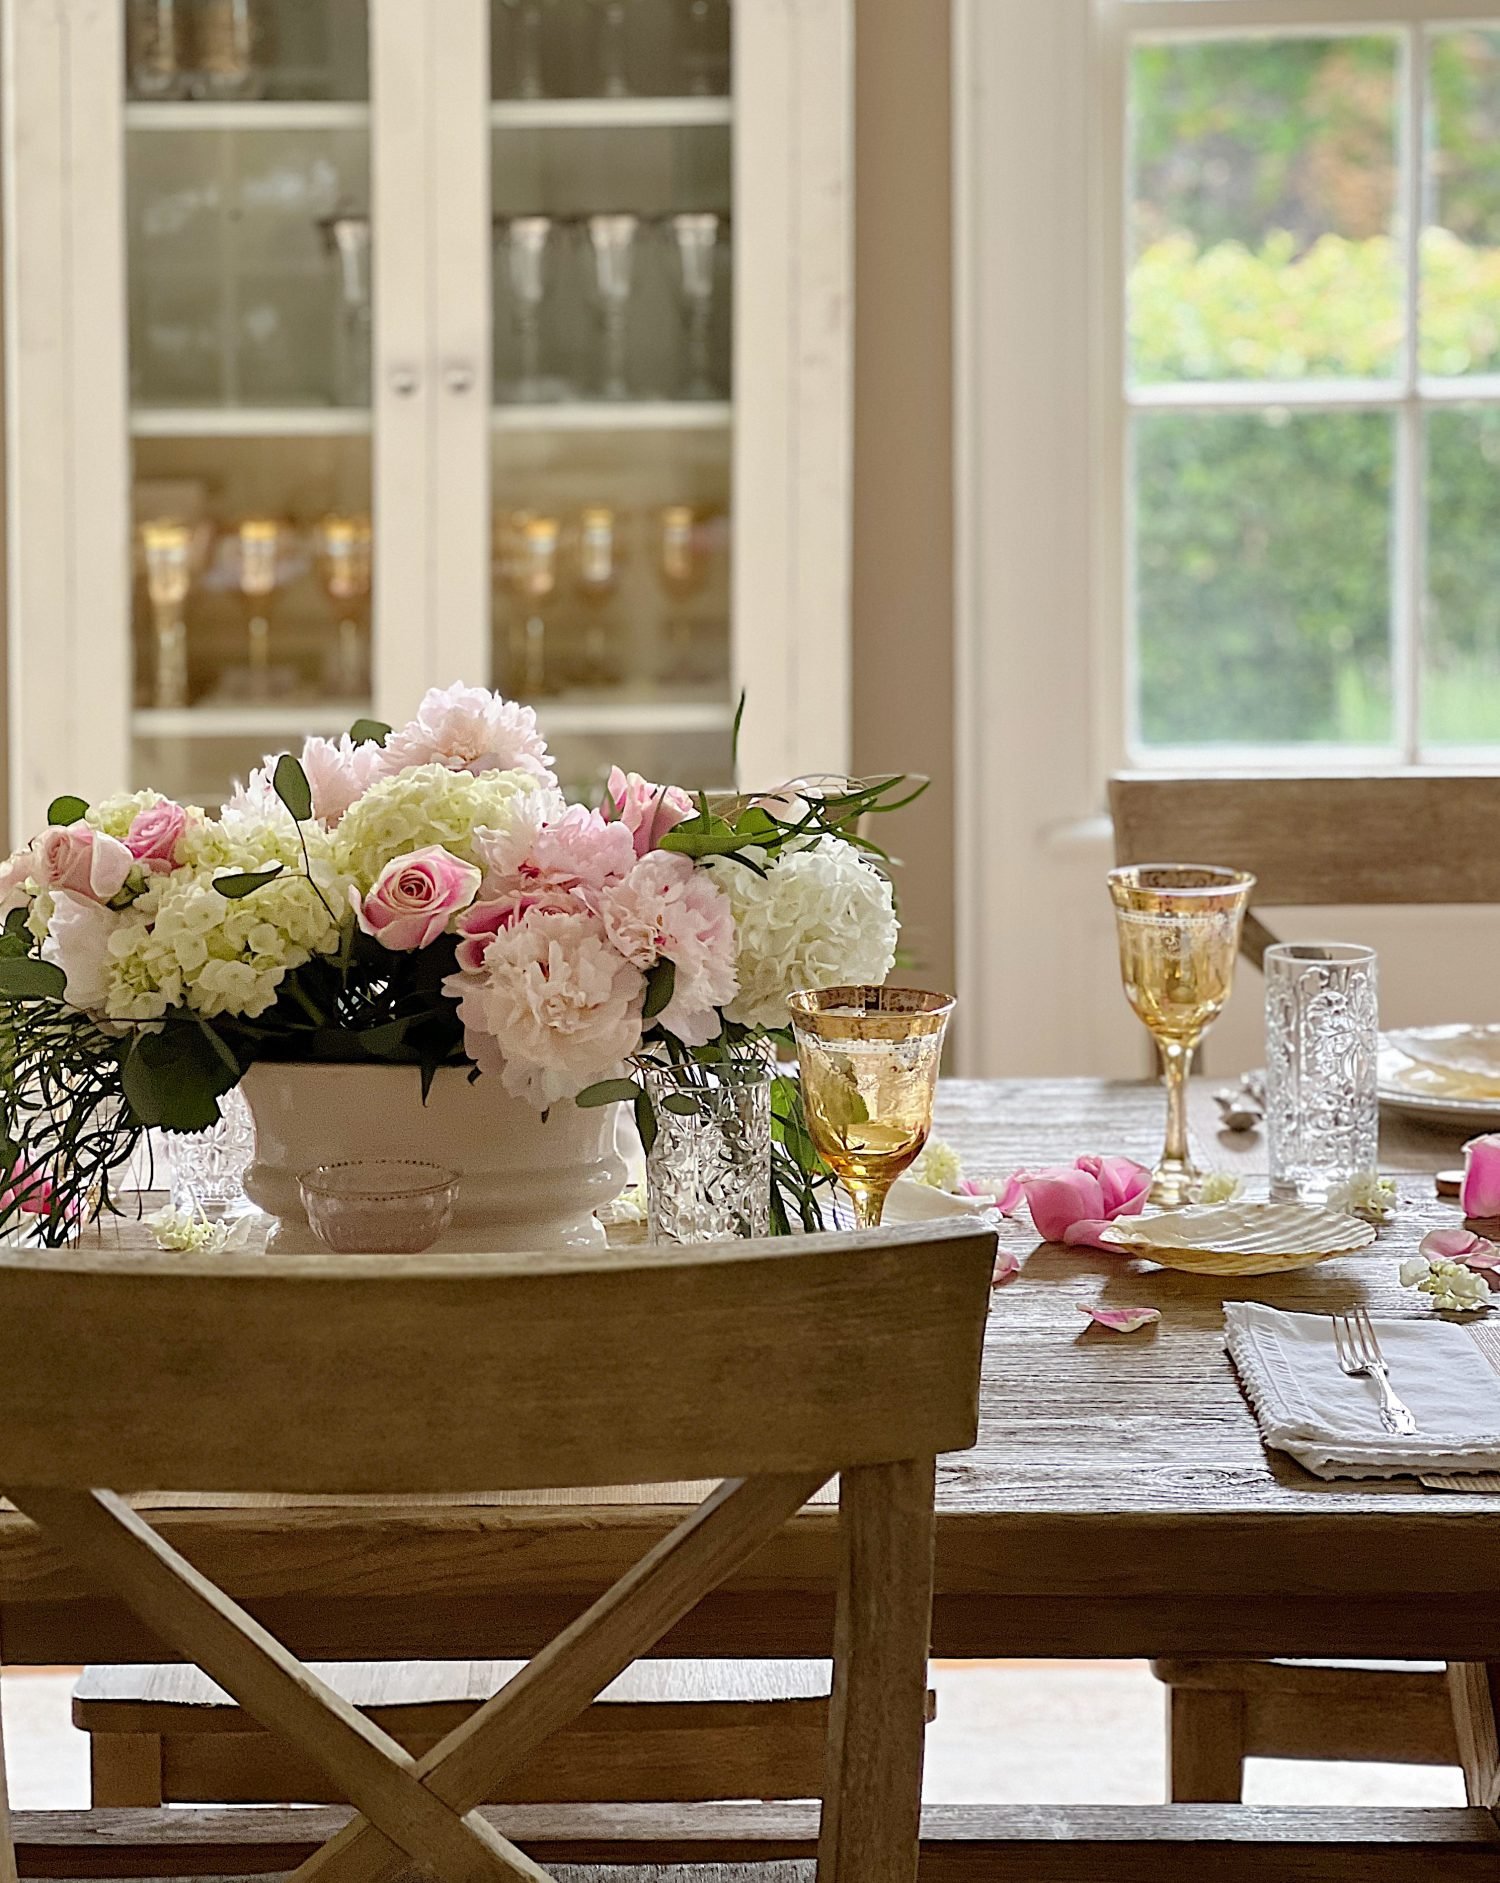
[(153, 838), (413, 898), (647, 811), (1073, 1205), (1480, 1195), (28, 1187), (82, 859)]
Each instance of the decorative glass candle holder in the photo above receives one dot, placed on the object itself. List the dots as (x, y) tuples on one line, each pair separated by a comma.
[(708, 1172), (1322, 1047), (379, 1205), (208, 1167)]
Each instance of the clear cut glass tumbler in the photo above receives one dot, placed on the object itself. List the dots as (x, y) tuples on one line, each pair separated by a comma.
[(1322, 1047)]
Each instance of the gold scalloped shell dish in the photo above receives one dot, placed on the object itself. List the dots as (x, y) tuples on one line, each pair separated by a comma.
[(1240, 1238)]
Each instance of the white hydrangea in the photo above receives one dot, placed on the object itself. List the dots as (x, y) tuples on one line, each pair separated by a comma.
[(430, 804), (821, 916), (937, 1166), (115, 815)]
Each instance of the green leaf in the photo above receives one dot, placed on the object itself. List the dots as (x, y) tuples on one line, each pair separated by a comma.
[(682, 1103), (703, 836), (660, 983), (25, 978), (67, 809), (608, 1092), (174, 1078), (369, 732), (756, 825), (220, 1047), (291, 786), (734, 736), (245, 882), (379, 1041), (645, 1121)]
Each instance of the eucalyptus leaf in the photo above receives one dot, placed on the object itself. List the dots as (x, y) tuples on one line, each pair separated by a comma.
[(661, 982), (25, 978), (291, 786), (682, 1103), (245, 882), (645, 1121), (608, 1092), (67, 809), (369, 732)]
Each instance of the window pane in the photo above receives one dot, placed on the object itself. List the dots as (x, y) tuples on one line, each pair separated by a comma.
[(1461, 243), (1461, 670), (1263, 221), (1262, 578)]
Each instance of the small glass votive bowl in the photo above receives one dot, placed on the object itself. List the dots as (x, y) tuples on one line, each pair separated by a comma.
[(379, 1205)]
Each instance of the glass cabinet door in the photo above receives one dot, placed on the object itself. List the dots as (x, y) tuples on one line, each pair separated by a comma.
[(248, 243), (611, 127)]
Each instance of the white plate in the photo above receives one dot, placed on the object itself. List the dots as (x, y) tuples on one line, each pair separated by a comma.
[(1426, 1092), (1240, 1238), (1465, 1052)]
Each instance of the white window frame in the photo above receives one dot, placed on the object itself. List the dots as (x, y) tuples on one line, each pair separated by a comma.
[(1044, 646)]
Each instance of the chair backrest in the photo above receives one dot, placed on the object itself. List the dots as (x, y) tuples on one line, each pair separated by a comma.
[(1396, 837), (773, 1365)]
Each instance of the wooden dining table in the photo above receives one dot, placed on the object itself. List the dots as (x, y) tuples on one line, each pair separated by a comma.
[(1119, 1501)]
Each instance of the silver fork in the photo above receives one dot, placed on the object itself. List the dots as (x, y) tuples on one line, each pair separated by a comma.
[(1360, 1357)]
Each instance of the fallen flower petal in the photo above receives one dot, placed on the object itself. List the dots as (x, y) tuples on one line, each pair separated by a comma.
[(1121, 1320), (1006, 1266), (1459, 1245), (1088, 1235)]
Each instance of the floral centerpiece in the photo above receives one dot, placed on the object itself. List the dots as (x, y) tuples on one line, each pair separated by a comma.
[(419, 896)]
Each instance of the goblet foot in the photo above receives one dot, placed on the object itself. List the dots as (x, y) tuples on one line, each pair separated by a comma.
[(1174, 1183)]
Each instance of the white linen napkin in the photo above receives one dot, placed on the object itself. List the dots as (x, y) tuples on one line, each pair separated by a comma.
[(1331, 1424)]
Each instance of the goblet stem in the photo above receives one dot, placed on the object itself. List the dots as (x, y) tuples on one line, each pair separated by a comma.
[(1175, 1177), (869, 1203)]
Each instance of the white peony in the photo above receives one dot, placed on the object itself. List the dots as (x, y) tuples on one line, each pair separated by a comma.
[(820, 917), (469, 729), (337, 773), (79, 934), (552, 1007)]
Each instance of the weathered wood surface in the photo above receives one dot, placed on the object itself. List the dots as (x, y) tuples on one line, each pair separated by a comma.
[(960, 1843), (1119, 1501)]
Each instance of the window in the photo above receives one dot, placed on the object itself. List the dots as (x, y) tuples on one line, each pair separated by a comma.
[(1311, 355)]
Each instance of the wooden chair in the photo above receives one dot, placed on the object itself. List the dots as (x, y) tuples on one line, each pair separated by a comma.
[(1385, 839), (770, 1365)]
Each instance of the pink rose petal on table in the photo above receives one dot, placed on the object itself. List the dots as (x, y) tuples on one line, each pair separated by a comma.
[(1124, 1183), (1459, 1245), (1072, 1204), (1121, 1320), (1480, 1193), (1006, 1266), (1089, 1235), (1006, 1197)]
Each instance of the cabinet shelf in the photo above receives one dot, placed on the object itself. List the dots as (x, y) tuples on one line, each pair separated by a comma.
[(249, 421), (610, 415), (575, 114), (559, 717), (249, 114)]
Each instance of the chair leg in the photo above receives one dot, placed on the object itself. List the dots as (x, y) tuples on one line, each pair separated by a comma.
[(1206, 1746), (872, 1797), (125, 1769)]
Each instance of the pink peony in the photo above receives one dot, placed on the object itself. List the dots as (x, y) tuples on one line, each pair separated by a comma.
[(668, 909), (1480, 1195), (154, 835), (79, 858), (414, 898), (553, 1007), (1073, 1205), (564, 866), (469, 729), (647, 811), (339, 774)]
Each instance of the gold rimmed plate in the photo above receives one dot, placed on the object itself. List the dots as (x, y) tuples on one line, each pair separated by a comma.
[(1240, 1238)]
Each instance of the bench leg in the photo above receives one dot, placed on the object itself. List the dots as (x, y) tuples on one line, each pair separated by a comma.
[(125, 1768), (1206, 1746)]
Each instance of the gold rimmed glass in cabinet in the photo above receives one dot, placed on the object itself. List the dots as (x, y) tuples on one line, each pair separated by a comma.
[(613, 267), (248, 284)]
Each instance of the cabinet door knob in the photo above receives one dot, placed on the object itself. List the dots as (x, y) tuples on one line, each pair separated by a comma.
[(403, 381), (459, 377)]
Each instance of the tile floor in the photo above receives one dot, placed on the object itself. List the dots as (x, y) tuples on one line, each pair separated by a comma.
[(1006, 1732)]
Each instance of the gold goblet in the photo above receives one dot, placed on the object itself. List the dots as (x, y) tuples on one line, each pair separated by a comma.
[(261, 544), (1179, 932), (167, 547), (869, 1059), (342, 545)]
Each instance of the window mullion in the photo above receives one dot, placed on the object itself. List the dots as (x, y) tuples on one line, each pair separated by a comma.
[(1410, 523)]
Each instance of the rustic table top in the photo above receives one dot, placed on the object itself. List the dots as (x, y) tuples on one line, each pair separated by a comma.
[(1119, 1500)]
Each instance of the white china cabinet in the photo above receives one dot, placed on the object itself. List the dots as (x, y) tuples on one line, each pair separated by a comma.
[(354, 346)]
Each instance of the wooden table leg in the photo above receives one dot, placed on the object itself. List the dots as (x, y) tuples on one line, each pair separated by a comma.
[(1475, 1689), (7, 1851)]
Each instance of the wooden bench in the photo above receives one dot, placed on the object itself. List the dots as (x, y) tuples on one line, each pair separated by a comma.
[(665, 1731)]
